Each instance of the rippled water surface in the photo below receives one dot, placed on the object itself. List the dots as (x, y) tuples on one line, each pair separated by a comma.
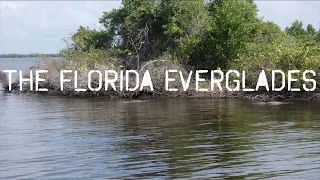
[(44, 137), (53, 138)]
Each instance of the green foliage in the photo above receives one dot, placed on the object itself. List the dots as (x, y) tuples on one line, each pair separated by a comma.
[(305, 35), (296, 29), (311, 30), (86, 39), (285, 53), (127, 22), (268, 32), (232, 25), (185, 18), (87, 59), (163, 22), (318, 36), (200, 34)]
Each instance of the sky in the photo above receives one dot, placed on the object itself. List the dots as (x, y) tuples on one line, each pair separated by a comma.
[(40, 26)]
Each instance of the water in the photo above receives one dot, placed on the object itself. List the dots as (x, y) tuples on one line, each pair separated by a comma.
[(17, 64), (45, 137)]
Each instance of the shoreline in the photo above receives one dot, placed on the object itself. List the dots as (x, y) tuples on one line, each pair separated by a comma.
[(143, 95), (159, 93)]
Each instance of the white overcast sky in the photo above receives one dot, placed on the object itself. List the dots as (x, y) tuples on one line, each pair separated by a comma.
[(39, 26)]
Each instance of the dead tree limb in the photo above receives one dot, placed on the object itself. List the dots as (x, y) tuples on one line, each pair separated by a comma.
[(140, 43)]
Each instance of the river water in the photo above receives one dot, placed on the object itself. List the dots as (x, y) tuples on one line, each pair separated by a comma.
[(45, 137)]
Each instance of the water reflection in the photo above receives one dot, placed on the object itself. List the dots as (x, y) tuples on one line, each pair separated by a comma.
[(56, 137)]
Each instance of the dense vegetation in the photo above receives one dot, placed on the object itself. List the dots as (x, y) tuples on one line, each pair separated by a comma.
[(198, 34), (202, 34)]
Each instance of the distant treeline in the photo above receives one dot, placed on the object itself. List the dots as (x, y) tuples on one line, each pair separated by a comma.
[(28, 55)]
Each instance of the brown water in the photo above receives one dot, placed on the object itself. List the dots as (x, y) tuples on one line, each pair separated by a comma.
[(43, 137)]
